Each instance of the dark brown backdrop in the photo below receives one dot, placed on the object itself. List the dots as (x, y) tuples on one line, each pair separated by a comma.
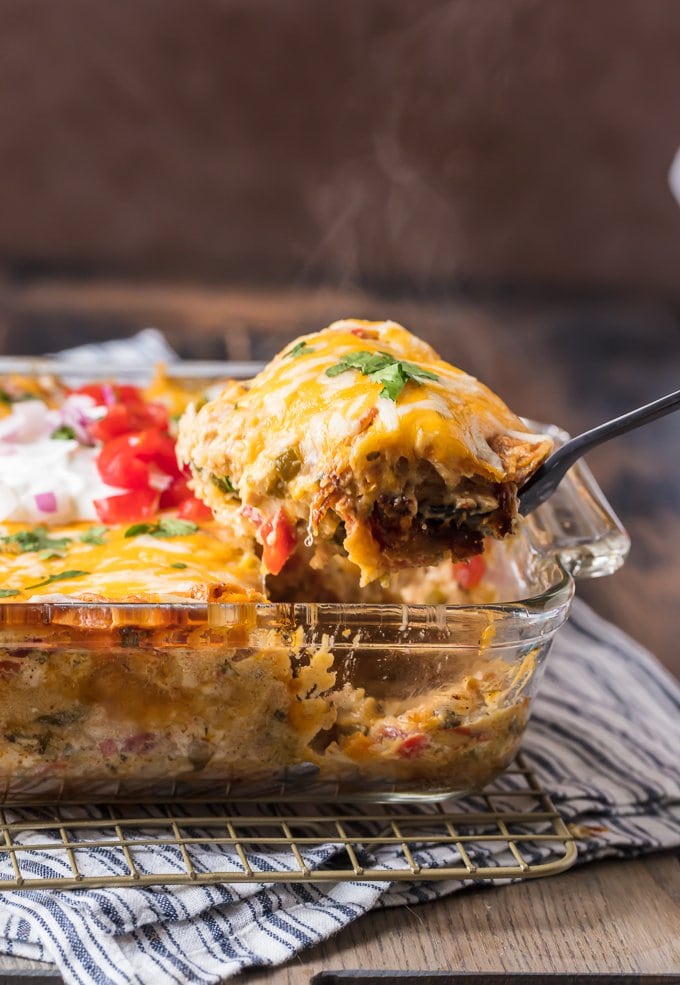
[(407, 142)]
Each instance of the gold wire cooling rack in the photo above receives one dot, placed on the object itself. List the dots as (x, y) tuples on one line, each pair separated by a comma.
[(510, 830)]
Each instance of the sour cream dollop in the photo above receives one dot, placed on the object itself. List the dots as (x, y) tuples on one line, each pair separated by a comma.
[(45, 479)]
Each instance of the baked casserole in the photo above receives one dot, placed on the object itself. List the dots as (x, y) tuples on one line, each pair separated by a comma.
[(147, 648)]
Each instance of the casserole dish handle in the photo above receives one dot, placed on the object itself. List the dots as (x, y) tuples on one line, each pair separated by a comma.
[(577, 525)]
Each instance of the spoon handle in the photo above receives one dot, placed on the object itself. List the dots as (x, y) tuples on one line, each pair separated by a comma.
[(545, 480)]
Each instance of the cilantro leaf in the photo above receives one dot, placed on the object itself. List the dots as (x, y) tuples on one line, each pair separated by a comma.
[(8, 398), (392, 379), (173, 527), (37, 539), (178, 564), (6, 593), (64, 433), (167, 527), (365, 362), (140, 528), (381, 367), (413, 371), (60, 576), (224, 484), (95, 535), (299, 349)]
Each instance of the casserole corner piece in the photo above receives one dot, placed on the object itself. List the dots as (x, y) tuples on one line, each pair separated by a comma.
[(360, 440)]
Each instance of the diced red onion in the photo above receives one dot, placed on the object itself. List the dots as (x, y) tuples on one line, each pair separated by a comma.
[(252, 514), (109, 394), (46, 502), (74, 416)]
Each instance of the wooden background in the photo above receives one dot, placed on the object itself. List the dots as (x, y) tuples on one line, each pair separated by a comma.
[(512, 141)]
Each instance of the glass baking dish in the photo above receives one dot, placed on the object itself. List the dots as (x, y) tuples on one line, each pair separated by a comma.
[(104, 702)]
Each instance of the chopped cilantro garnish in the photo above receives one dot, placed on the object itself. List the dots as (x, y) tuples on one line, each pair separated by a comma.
[(224, 484), (49, 555), (383, 368), (6, 593), (64, 433), (8, 398), (178, 564), (140, 528), (37, 539), (60, 576), (299, 349), (177, 528), (167, 527), (95, 535)]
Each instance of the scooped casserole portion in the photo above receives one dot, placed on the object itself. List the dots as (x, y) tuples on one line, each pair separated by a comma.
[(359, 439), (158, 658)]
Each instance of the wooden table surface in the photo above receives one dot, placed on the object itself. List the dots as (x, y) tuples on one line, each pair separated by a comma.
[(575, 362), (620, 918)]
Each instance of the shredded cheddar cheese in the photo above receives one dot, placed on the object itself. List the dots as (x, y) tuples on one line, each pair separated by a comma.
[(401, 459), (204, 564)]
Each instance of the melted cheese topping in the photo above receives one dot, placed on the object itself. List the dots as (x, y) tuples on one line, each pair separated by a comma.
[(328, 448), (292, 402), (207, 564), (452, 415)]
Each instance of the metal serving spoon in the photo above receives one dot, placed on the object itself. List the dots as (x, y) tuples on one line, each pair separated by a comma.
[(546, 479)]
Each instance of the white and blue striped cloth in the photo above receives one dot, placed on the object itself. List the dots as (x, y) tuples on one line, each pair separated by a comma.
[(604, 739), (146, 348)]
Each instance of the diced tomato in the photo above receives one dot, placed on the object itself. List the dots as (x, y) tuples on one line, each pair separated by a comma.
[(412, 746), (364, 333), (469, 573), (124, 418), (138, 455), (278, 541), (175, 494), (157, 415), (409, 747), (193, 509), (111, 449), (93, 390), (117, 420), (124, 461), (129, 507), (119, 468), (106, 394), (152, 445)]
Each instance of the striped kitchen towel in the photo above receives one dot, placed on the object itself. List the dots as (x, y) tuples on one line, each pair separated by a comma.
[(603, 739), (146, 348)]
